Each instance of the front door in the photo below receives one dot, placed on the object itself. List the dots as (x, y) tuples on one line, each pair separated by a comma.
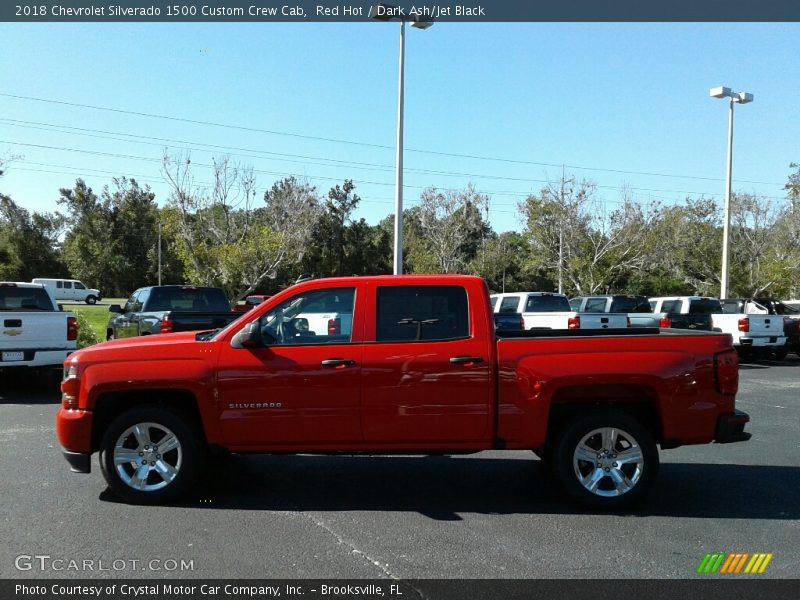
[(301, 388)]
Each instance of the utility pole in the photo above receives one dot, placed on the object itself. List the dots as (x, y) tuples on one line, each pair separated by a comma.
[(561, 236), (159, 253)]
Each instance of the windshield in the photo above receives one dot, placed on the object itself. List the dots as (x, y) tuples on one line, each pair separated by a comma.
[(187, 299), (630, 304)]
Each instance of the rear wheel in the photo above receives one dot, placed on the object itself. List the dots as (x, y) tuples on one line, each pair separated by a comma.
[(780, 352), (745, 353), (150, 455), (606, 460)]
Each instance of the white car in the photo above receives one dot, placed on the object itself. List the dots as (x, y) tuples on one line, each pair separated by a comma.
[(70, 289)]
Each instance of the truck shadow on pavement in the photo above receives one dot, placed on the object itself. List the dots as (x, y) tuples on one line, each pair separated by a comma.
[(30, 386), (443, 487)]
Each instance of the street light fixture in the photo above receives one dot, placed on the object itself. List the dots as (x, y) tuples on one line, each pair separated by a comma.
[(387, 12), (735, 98)]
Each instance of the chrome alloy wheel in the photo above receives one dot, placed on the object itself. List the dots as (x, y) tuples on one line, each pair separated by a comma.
[(608, 462), (147, 456)]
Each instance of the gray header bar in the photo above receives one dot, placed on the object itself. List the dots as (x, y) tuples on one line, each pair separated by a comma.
[(210, 11)]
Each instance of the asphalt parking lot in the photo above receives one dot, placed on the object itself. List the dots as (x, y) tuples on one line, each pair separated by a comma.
[(489, 515)]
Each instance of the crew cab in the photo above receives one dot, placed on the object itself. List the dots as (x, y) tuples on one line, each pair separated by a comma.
[(547, 310), (686, 312), (35, 331), (418, 369), (170, 308)]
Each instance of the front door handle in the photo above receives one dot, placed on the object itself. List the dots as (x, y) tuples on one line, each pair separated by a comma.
[(463, 360), (338, 362)]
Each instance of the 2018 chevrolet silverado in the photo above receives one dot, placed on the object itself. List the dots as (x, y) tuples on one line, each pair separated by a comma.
[(418, 368)]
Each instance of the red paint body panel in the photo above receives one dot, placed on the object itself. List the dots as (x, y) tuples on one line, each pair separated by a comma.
[(402, 396)]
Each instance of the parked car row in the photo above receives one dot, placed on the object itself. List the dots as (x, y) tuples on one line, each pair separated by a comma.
[(758, 327)]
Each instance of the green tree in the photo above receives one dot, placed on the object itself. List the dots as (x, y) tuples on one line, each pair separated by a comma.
[(28, 243)]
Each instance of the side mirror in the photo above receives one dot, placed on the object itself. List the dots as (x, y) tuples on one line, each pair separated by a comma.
[(61, 307), (115, 308), (248, 337)]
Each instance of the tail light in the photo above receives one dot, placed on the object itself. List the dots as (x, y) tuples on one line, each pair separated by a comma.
[(726, 372), (166, 324), (744, 324), (72, 328), (334, 326), (574, 322), (665, 323)]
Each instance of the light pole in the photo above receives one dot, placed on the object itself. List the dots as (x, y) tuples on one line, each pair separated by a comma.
[(387, 12), (735, 98)]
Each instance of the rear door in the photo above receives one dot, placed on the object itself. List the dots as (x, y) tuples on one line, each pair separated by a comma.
[(426, 373)]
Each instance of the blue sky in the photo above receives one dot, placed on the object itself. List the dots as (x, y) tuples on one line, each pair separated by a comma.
[(604, 97)]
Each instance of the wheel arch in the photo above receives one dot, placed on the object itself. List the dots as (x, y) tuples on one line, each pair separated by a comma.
[(112, 404)]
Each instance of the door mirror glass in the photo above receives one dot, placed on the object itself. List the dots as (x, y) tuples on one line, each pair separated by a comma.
[(248, 337)]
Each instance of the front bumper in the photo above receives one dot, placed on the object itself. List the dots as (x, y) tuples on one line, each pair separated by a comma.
[(730, 428), (78, 461)]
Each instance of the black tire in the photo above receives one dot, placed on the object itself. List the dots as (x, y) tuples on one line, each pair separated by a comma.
[(91, 299), (780, 353), (109, 334), (746, 354), (160, 483), (618, 484)]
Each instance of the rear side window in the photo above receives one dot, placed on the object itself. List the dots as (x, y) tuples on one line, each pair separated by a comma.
[(67, 285), (595, 305), (24, 299), (421, 313), (509, 305), (547, 303), (704, 306), (732, 307)]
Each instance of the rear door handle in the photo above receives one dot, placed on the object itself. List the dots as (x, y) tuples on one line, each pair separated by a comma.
[(462, 360), (338, 362)]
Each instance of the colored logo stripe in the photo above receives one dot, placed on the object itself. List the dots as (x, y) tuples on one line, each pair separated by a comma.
[(734, 562)]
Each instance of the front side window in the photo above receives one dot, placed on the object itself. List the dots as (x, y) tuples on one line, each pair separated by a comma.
[(417, 313), (313, 317), (79, 286)]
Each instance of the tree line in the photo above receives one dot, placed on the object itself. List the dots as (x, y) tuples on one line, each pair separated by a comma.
[(229, 235)]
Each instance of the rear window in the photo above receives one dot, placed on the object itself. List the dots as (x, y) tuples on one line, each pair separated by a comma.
[(188, 299), (547, 303), (631, 304), (704, 306), (421, 313), (24, 299)]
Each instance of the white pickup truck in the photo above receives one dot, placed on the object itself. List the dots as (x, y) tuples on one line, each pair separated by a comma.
[(35, 332), (752, 333), (546, 310)]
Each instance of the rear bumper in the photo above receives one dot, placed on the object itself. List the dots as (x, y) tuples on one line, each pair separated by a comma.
[(79, 462), (730, 428), (762, 341)]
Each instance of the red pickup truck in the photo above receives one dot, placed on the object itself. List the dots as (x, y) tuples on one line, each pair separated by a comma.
[(414, 367)]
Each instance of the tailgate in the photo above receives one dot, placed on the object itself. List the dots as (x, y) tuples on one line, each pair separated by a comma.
[(185, 321), (765, 325), (39, 330), (603, 320), (698, 322), (548, 320)]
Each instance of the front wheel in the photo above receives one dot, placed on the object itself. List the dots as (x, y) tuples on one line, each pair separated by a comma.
[(150, 455), (606, 460), (91, 299)]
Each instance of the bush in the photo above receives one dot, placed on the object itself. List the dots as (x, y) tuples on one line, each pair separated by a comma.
[(86, 335)]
